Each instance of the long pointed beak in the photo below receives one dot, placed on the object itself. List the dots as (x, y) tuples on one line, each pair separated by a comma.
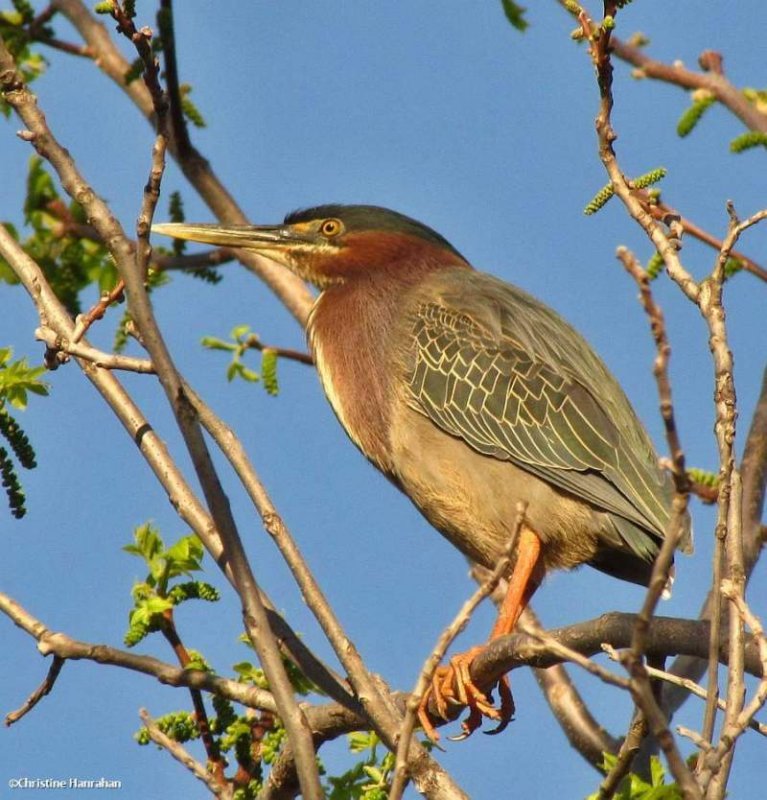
[(252, 237)]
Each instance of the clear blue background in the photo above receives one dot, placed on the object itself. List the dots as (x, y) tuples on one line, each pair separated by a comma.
[(442, 111)]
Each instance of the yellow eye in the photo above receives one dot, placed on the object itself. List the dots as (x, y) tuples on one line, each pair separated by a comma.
[(331, 227)]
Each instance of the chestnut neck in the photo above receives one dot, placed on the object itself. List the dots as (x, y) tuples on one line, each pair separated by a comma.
[(351, 332)]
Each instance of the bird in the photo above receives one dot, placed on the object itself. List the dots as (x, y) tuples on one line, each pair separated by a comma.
[(476, 400)]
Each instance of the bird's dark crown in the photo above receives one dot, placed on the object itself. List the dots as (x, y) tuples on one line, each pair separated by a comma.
[(364, 218)]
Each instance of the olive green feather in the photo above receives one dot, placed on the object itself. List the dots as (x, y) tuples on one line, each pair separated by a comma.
[(510, 377)]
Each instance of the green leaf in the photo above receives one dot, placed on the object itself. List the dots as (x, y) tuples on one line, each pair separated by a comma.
[(233, 370), (148, 542), (360, 741), (240, 332), (250, 674), (214, 343), (515, 14), (248, 374), (184, 556), (17, 378)]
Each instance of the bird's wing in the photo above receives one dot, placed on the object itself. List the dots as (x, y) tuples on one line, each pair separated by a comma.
[(506, 374)]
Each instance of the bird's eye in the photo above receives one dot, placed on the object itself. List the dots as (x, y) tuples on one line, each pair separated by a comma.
[(331, 227)]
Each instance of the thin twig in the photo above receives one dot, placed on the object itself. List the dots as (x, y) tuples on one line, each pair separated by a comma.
[(702, 744), (662, 210), (630, 746), (216, 763), (566, 653), (660, 365), (684, 683), (42, 690), (179, 752), (97, 311), (255, 343), (63, 647)]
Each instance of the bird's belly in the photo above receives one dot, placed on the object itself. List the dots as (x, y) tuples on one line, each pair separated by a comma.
[(472, 499)]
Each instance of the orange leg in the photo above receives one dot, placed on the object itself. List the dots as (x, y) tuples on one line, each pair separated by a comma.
[(525, 579), (453, 684)]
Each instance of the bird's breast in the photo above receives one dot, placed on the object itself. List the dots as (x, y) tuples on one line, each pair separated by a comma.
[(349, 339)]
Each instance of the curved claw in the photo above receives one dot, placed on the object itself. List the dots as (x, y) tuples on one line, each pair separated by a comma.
[(507, 706), (499, 728)]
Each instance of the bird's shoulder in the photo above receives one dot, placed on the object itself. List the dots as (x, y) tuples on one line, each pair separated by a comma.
[(483, 313)]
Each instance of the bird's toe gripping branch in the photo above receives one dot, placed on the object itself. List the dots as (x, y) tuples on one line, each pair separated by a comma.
[(452, 685)]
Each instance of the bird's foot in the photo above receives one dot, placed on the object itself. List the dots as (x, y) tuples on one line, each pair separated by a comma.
[(452, 685)]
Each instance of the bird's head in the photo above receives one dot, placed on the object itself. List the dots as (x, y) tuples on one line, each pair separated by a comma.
[(331, 244)]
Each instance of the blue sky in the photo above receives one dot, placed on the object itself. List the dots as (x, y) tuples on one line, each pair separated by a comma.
[(444, 112)]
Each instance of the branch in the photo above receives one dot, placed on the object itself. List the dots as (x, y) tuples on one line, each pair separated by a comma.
[(629, 748), (712, 80), (59, 348), (662, 210), (64, 648), (665, 636)]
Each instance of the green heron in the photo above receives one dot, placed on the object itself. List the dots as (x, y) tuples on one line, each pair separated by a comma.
[(473, 398)]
